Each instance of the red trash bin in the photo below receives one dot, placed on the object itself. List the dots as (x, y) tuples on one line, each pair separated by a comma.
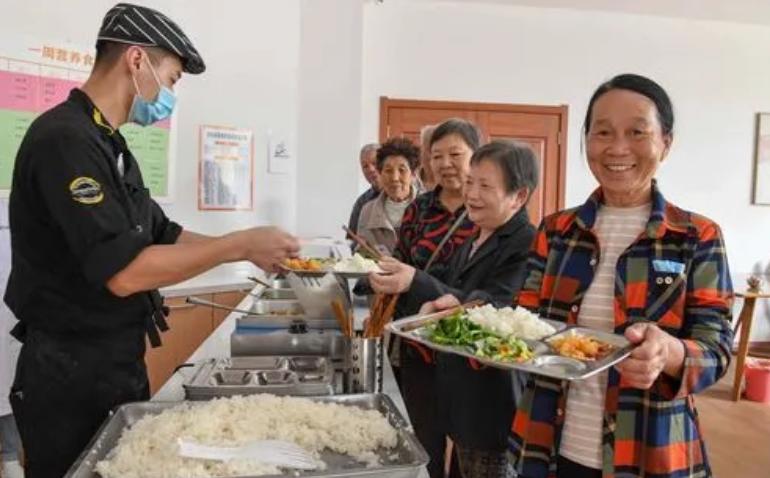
[(757, 374)]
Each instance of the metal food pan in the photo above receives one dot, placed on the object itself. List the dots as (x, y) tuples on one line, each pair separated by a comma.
[(226, 377), (404, 461), (249, 340), (285, 322), (257, 363), (277, 307), (279, 283)]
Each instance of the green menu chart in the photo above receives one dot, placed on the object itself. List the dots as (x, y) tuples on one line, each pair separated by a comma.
[(27, 89)]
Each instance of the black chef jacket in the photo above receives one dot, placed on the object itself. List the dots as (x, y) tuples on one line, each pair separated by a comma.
[(79, 213), (76, 220)]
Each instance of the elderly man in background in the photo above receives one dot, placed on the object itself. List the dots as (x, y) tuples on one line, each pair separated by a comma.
[(368, 160)]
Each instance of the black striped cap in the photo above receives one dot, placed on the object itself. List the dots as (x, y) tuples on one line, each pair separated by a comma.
[(137, 25)]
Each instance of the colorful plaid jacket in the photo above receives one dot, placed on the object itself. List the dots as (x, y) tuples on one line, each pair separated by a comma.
[(675, 274)]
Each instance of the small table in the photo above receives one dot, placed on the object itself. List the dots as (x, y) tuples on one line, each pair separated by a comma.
[(744, 322)]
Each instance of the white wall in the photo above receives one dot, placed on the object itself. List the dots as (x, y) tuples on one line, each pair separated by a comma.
[(330, 109), (718, 75), (252, 54), (251, 51)]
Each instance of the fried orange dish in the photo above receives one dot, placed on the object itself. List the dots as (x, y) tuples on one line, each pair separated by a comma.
[(299, 264), (581, 347)]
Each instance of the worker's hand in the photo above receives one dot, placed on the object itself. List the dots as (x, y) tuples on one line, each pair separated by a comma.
[(396, 277), (267, 246), (444, 302), (656, 352)]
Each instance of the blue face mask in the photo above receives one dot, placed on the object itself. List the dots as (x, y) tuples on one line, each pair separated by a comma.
[(145, 112)]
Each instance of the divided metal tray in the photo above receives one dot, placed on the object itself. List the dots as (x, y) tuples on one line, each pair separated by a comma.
[(404, 461), (279, 375), (546, 361)]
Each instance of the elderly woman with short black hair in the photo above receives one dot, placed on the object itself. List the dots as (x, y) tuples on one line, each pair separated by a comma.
[(475, 407)]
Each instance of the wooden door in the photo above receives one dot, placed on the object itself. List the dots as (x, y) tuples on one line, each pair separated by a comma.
[(543, 128)]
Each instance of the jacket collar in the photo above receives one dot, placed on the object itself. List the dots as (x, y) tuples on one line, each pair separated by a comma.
[(378, 219), (500, 235), (663, 215)]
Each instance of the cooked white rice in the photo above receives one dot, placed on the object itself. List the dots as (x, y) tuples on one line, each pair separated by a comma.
[(149, 448), (507, 321), (357, 263)]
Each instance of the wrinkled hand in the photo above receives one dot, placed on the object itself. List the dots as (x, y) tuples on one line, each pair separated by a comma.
[(444, 302), (268, 246), (656, 352), (397, 277)]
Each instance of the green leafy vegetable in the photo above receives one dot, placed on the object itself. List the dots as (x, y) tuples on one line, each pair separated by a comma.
[(457, 330)]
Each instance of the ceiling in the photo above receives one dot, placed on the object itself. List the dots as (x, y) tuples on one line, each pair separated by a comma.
[(740, 11)]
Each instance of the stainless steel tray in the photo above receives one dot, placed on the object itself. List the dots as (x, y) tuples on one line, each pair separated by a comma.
[(405, 461), (350, 274), (279, 375), (545, 362), (345, 274)]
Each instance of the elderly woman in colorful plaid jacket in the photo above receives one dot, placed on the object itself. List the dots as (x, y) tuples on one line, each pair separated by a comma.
[(630, 262)]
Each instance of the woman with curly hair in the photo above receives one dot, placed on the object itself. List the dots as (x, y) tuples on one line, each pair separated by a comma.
[(380, 219)]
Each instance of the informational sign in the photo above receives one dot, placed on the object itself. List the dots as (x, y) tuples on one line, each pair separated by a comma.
[(226, 169), (278, 154), (35, 76)]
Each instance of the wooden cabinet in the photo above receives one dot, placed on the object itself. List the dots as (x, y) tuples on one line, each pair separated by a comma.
[(230, 299), (189, 326)]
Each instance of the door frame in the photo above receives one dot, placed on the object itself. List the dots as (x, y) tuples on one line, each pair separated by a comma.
[(562, 111)]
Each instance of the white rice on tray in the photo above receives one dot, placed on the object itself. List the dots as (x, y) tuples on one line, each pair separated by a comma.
[(507, 321), (357, 263), (149, 448)]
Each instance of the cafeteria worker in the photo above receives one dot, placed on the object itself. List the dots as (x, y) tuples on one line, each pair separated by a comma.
[(90, 247)]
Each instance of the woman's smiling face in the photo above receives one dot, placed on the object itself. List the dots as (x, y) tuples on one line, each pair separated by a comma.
[(625, 145)]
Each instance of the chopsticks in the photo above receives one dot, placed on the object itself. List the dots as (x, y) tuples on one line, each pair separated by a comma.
[(441, 314), (344, 318), (381, 312), (376, 255)]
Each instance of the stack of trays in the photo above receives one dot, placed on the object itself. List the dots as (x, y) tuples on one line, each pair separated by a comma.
[(279, 375)]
